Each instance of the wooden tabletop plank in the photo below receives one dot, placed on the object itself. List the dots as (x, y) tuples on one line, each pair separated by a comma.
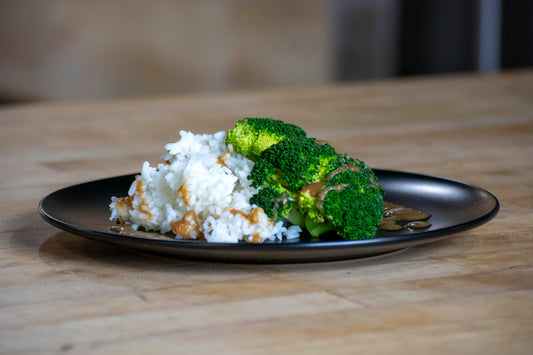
[(470, 293)]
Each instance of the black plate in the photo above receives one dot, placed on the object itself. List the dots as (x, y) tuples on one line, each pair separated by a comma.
[(455, 206)]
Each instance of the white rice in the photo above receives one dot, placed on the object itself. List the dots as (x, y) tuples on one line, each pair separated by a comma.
[(200, 192)]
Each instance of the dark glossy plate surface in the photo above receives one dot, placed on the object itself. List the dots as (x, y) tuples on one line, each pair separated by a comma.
[(455, 206)]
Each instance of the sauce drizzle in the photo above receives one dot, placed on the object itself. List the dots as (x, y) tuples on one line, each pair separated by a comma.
[(188, 227), (397, 217), (128, 230)]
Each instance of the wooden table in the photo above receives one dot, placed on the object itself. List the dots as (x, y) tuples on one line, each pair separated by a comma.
[(471, 293)]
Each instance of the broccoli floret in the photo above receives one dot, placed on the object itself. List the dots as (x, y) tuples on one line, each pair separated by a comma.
[(350, 202), (251, 136), (294, 163), (275, 200)]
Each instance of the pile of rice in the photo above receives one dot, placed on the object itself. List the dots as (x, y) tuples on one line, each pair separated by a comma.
[(200, 192)]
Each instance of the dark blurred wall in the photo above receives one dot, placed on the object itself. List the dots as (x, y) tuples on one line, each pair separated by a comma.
[(517, 34), (437, 36), (443, 36)]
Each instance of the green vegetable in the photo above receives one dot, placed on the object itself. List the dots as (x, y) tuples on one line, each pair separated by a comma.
[(306, 181), (350, 202), (275, 200), (251, 136)]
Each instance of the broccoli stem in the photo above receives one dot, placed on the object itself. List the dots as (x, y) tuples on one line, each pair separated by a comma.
[(295, 217), (314, 228)]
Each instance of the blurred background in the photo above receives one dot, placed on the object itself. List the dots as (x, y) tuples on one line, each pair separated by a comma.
[(100, 49)]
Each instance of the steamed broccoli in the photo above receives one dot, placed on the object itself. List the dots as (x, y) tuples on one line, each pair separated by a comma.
[(251, 136), (326, 190), (350, 202)]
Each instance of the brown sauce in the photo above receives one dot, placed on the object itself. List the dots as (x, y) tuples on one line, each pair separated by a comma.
[(316, 189), (128, 230), (184, 193), (418, 225), (255, 216), (389, 225), (256, 237), (345, 167), (313, 188), (235, 212), (123, 205), (397, 217), (322, 194), (188, 227), (222, 159)]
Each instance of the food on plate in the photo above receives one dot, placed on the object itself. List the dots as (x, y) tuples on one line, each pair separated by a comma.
[(262, 180)]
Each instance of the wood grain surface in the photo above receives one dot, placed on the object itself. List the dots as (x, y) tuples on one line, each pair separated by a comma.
[(471, 293)]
